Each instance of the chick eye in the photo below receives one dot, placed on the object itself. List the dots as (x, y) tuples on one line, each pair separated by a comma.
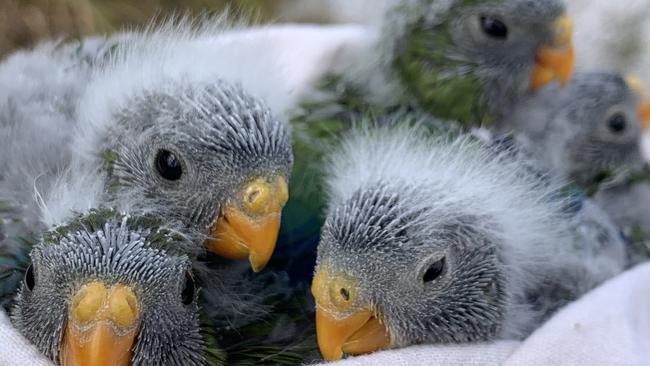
[(434, 271), (493, 27), (168, 165), (617, 123), (189, 288), (29, 280)]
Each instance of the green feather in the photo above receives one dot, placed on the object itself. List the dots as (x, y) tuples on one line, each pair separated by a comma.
[(214, 355), (434, 80), (606, 178), (317, 128), (12, 269), (285, 336), (95, 219), (430, 76)]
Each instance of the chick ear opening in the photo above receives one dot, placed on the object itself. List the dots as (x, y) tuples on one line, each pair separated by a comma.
[(434, 270)]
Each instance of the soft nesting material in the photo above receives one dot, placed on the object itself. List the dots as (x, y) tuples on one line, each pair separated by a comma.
[(609, 326)]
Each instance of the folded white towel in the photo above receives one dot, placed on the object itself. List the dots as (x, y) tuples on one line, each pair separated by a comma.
[(610, 326)]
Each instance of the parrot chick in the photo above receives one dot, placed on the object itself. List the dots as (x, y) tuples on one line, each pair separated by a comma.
[(442, 241), (470, 61), (110, 289), (458, 60), (162, 125), (591, 133), (586, 132), (174, 122)]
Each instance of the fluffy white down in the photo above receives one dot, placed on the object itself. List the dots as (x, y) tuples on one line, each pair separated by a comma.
[(38, 94), (191, 50), (534, 234), (471, 173)]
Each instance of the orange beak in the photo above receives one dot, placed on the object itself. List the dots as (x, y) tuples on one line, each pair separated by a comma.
[(644, 114), (555, 61), (249, 228), (358, 333), (644, 105), (102, 326)]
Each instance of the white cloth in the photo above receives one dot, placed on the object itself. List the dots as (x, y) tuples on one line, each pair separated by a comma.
[(15, 350), (301, 53), (610, 326)]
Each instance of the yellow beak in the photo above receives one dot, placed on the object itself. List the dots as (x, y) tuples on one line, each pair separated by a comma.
[(644, 105), (644, 114), (249, 228), (555, 61), (102, 326), (358, 333)]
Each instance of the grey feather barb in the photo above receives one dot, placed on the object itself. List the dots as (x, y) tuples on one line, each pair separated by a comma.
[(128, 261)]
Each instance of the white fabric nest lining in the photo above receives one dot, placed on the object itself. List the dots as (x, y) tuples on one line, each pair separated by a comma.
[(609, 326), (15, 350)]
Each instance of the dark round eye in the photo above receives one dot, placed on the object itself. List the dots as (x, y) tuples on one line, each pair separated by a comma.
[(29, 280), (168, 165), (493, 27), (434, 271), (189, 288), (617, 123)]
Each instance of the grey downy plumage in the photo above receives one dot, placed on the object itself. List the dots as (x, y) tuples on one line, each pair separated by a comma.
[(445, 240), (590, 133)]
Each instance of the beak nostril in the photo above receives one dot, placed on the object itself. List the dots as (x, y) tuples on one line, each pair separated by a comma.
[(131, 301), (87, 301), (345, 293), (123, 305), (252, 196), (257, 197)]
